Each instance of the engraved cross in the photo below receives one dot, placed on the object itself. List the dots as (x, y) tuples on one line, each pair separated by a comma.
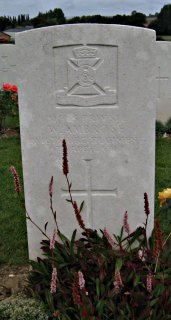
[(5, 65), (89, 192), (160, 78)]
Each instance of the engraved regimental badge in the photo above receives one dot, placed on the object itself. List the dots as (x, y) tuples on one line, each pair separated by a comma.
[(88, 82)]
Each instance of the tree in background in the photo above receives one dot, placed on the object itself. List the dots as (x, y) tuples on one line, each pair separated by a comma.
[(50, 18), (162, 25)]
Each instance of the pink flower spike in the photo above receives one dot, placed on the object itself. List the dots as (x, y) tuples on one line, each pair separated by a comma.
[(141, 255), (81, 280), (53, 284), (51, 187), (109, 238), (53, 241), (118, 284), (126, 224), (149, 282), (16, 179)]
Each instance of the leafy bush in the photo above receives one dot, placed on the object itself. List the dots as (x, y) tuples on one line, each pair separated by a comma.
[(160, 128), (8, 103), (101, 276), (168, 126), (21, 307)]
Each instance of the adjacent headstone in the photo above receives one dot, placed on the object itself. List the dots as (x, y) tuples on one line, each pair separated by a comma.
[(7, 64), (163, 58), (92, 85)]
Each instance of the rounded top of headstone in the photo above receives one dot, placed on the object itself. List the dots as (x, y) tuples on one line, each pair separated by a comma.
[(87, 27)]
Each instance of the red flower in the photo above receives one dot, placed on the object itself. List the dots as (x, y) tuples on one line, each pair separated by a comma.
[(14, 89), (7, 86), (10, 87)]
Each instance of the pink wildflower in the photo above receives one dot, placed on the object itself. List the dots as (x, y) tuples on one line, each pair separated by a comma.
[(16, 179), (149, 282), (126, 224), (75, 290), (146, 204), (51, 187), (53, 284), (65, 158), (118, 284), (109, 238), (78, 215), (81, 280), (141, 255), (53, 241)]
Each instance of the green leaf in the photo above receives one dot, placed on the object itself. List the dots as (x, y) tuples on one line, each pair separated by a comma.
[(158, 290), (46, 226), (68, 200), (118, 264), (153, 302), (98, 287), (49, 299), (81, 206), (136, 280), (100, 306), (62, 237), (72, 242)]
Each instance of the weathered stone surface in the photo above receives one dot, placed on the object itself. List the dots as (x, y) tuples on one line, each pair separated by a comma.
[(163, 58), (92, 85), (7, 64)]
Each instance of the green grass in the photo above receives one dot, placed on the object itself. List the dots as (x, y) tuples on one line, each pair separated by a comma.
[(13, 238), (163, 179), (166, 38), (12, 122)]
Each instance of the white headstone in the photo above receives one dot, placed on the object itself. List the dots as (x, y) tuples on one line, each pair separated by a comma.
[(7, 64), (92, 85), (163, 57)]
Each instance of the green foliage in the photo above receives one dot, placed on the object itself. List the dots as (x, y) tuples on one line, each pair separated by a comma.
[(101, 299), (8, 106), (21, 307), (52, 17), (13, 248), (102, 276), (135, 19), (160, 128), (168, 126), (162, 24)]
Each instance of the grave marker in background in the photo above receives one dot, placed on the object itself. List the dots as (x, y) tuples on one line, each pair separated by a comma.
[(8, 64), (163, 58), (92, 85)]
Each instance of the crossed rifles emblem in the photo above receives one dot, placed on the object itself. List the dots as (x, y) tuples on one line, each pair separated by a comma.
[(84, 88)]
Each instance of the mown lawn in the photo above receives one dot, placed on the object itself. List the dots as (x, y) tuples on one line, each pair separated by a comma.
[(13, 239), (163, 179), (166, 38)]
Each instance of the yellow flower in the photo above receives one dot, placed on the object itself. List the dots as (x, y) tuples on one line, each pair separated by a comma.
[(164, 195)]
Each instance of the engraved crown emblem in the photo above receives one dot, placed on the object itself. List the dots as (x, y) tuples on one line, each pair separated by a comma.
[(85, 52)]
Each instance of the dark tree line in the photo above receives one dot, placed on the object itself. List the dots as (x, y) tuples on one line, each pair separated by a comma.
[(161, 22), (135, 19), (49, 18), (7, 22)]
